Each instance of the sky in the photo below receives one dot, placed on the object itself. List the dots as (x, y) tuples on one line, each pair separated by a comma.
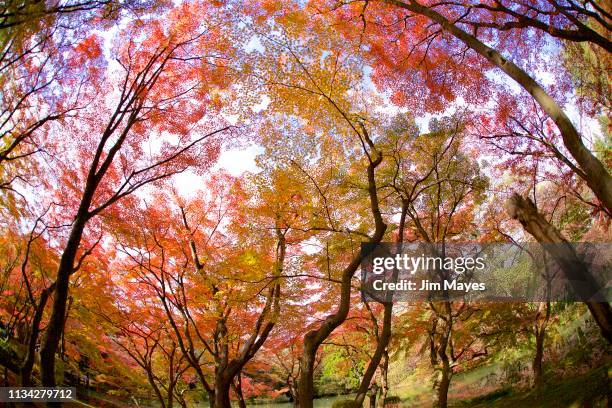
[(238, 160)]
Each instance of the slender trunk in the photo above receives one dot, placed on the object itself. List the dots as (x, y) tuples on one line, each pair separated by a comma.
[(293, 391), (237, 384), (383, 340), (537, 360), (181, 399), (63, 343), (156, 389), (575, 271), (314, 338), (211, 398), (28, 364), (56, 322), (593, 171), (443, 356), (376, 358), (373, 393), (384, 381), (540, 335), (444, 385)]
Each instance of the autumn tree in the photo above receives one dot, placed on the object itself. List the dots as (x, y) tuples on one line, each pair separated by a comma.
[(452, 36), (162, 75), (46, 57), (443, 35), (27, 289), (150, 343), (439, 186), (216, 275), (318, 76)]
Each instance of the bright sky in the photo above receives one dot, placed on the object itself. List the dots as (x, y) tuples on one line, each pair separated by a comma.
[(233, 161), (237, 161)]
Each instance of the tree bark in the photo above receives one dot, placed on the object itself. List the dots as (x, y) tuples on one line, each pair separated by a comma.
[(314, 338), (594, 172), (385, 335), (384, 381), (158, 394), (211, 398), (381, 347), (56, 322), (444, 385), (537, 359), (28, 364), (442, 349), (222, 391), (540, 335), (373, 392), (525, 211), (237, 384), (293, 390)]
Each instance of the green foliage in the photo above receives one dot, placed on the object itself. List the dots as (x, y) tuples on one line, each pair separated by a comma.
[(591, 388), (346, 404), (589, 67), (339, 368), (7, 352), (491, 397), (393, 400)]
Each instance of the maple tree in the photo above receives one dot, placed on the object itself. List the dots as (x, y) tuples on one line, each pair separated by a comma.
[(188, 257), (107, 175), (42, 70), (429, 51), (142, 264), (439, 196), (310, 83)]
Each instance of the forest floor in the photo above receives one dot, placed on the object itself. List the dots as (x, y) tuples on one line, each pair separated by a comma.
[(474, 389), (589, 390)]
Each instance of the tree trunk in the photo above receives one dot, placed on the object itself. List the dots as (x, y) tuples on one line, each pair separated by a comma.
[(222, 392), (237, 384), (575, 271), (384, 381), (537, 360), (170, 396), (28, 364), (211, 398), (314, 338), (540, 336), (306, 383), (443, 386), (376, 358), (373, 392), (443, 356), (593, 171), (293, 391), (56, 322), (383, 340), (156, 389)]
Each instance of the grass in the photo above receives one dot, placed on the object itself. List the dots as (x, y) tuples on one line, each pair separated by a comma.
[(591, 388), (480, 388)]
